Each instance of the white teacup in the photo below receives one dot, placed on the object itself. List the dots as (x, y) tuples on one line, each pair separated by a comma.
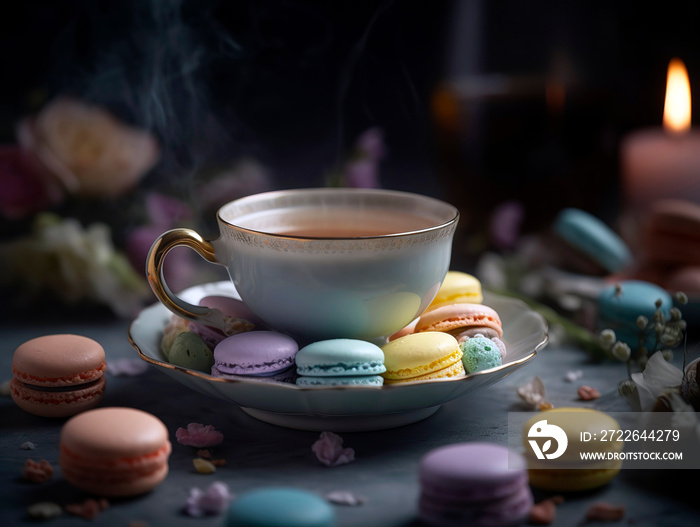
[(323, 263)]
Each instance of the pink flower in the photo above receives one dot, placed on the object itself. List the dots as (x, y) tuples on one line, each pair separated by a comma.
[(26, 186), (164, 213), (199, 436), (329, 450), (505, 224), (89, 150), (370, 143), (213, 501), (362, 173)]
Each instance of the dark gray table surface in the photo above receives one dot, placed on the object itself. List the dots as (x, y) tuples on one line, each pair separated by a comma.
[(260, 454)]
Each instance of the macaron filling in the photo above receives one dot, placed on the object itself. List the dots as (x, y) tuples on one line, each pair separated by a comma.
[(257, 368), (342, 368), (72, 380)]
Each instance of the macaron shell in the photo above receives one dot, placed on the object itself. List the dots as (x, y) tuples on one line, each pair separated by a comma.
[(572, 480), (360, 380), (340, 357), (458, 287), (454, 316), (507, 511), (59, 360), (279, 507), (453, 371), (594, 238), (420, 354), (190, 351), (255, 353), (113, 433), (57, 403)]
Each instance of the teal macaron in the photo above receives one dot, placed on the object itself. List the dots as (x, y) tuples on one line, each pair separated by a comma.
[(594, 238), (340, 358), (480, 353), (620, 305), (279, 507), (359, 380)]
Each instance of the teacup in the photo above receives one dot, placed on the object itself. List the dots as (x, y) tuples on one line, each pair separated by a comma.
[(322, 263)]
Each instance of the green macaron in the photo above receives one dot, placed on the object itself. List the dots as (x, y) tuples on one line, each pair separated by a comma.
[(190, 351)]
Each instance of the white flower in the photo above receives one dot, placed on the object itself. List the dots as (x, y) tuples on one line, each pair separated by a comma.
[(533, 393), (74, 263), (658, 377), (621, 351)]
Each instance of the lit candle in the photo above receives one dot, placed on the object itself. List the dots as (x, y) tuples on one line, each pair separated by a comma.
[(664, 163)]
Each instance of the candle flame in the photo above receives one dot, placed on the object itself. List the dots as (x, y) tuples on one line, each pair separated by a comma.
[(677, 104)]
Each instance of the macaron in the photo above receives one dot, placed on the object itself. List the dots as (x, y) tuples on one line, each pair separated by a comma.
[(671, 234), (172, 329), (620, 305), (58, 375), (114, 451), (255, 353), (568, 471), (340, 358), (461, 320), (477, 484), (592, 239), (480, 353), (189, 351), (422, 356), (238, 316), (458, 287), (340, 362), (279, 506)]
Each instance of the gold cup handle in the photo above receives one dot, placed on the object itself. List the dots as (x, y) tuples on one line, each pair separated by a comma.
[(154, 272)]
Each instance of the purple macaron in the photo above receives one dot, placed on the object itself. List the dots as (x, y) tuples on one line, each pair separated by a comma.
[(239, 318), (479, 484), (254, 353)]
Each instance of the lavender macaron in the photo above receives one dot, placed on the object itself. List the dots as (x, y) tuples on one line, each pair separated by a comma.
[(259, 353), (477, 484)]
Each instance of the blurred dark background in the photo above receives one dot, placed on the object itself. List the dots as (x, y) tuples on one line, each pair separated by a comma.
[(480, 101)]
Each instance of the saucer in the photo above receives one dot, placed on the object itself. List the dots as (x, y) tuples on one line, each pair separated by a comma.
[(339, 408)]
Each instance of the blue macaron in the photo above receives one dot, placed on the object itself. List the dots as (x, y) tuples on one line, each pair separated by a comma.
[(279, 507), (592, 237), (359, 380), (340, 358), (620, 305)]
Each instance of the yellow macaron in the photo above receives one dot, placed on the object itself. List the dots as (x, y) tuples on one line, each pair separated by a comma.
[(458, 287), (587, 431), (422, 356)]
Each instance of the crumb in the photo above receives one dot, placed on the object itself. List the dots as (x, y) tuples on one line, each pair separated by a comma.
[(88, 509), (204, 453), (37, 472), (544, 512), (586, 393), (28, 445), (44, 510), (203, 466), (344, 497), (574, 375), (545, 406), (601, 511)]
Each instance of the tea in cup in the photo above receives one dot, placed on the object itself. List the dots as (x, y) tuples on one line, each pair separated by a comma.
[(323, 263)]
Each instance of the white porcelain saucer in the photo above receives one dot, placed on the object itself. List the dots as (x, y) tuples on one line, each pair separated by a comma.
[(339, 408)]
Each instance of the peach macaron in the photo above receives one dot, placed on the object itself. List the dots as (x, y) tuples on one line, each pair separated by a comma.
[(114, 451), (461, 320), (58, 375)]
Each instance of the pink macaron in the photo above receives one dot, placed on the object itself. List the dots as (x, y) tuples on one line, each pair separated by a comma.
[(114, 451), (58, 375), (239, 319), (462, 321)]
